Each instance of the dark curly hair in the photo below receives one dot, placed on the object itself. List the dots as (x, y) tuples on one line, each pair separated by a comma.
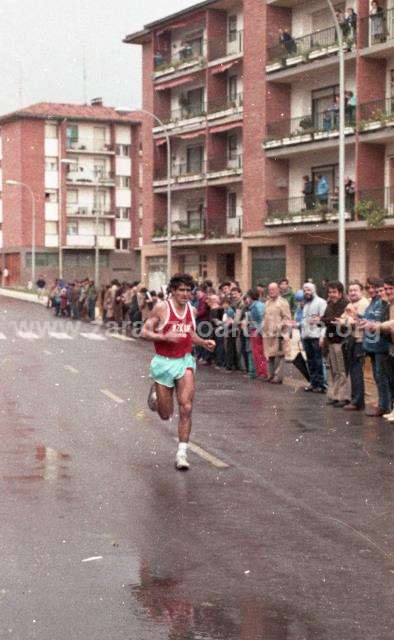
[(181, 278)]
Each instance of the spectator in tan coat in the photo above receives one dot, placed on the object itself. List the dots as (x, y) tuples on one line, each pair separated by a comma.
[(275, 333)]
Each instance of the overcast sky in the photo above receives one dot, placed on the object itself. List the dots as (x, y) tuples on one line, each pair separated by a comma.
[(42, 44)]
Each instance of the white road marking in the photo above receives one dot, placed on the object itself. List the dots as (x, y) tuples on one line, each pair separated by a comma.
[(208, 457), (59, 335), (70, 368), (92, 336), (3, 337), (47, 353), (28, 335), (112, 396), (118, 336), (92, 558)]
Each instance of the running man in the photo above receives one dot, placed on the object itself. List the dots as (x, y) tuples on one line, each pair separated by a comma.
[(171, 326)]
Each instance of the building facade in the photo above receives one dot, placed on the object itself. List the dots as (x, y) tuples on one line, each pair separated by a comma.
[(83, 164), (248, 92)]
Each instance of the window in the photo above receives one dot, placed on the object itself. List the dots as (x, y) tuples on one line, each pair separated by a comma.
[(50, 130), (195, 216), (122, 244), (232, 142), (141, 211), (232, 88), (194, 159), (43, 259), (104, 228), (232, 28), (51, 228), (123, 182), (123, 150), (51, 196), (123, 213), (232, 205), (99, 169), (71, 135), (323, 101), (193, 102), (51, 164), (99, 138), (100, 199), (330, 172), (72, 196), (72, 228), (195, 264)]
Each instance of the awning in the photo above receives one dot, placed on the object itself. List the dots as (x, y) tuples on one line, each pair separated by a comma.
[(173, 83), (174, 25), (196, 134), (223, 67), (225, 127), (161, 141)]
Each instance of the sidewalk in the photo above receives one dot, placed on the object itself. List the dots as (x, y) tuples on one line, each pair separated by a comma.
[(23, 295)]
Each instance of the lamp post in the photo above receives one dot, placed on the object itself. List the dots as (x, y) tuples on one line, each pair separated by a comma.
[(169, 193), (33, 225), (341, 203)]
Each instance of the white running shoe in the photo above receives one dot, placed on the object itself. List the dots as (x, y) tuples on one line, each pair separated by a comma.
[(389, 416), (152, 398), (181, 462)]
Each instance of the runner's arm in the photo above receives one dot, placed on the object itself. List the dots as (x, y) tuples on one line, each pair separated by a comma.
[(149, 330)]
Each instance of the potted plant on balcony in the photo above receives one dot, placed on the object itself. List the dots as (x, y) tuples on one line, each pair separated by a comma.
[(372, 212)]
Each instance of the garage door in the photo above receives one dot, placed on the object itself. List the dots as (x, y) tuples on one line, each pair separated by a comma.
[(268, 264)]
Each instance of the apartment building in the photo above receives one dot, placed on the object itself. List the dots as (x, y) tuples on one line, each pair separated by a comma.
[(83, 165), (248, 117)]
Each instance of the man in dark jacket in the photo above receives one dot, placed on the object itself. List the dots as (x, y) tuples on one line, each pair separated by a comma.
[(339, 387)]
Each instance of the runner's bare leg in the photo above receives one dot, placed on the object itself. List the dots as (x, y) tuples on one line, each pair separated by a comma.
[(165, 401), (185, 394)]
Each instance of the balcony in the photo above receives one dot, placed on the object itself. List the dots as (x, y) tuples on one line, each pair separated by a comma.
[(306, 210), (376, 206), (182, 230), (377, 33), (85, 177), (185, 58), (377, 117), (78, 211), (308, 48), (219, 168), (89, 242), (225, 107), (89, 146), (306, 129), (222, 48), (186, 112), (181, 173)]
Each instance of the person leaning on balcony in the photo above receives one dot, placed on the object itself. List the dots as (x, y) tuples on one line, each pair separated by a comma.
[(277, 318), (376, 16), (351, 20), (288, 42), (309, 199), (322, 189), (338, 388), (350, 194)]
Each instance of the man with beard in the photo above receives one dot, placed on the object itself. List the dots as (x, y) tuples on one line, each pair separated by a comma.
[(312, 331)]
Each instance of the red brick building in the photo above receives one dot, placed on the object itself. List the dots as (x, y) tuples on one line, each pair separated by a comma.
[(249, 117), (83, 165)]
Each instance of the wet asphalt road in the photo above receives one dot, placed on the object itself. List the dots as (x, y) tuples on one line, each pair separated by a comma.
[(293, 540)]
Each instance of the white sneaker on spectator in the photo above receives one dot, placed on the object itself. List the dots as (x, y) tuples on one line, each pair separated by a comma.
[(390, 415), (181, 462)]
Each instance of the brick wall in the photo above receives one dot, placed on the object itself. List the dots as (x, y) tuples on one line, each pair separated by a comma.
[(12, 196), (216, 210)]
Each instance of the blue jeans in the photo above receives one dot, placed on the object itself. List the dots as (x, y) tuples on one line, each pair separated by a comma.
[(220, 354), (315, 362), (92, 309), (381, 374)]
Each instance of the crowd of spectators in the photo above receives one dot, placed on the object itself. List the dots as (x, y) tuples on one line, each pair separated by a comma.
[(255, 331)]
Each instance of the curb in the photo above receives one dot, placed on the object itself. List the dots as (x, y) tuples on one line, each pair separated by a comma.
[(23, 295)]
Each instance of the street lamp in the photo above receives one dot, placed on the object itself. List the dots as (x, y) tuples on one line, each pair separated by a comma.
[(169, 216), (341, 203), (33, 225)]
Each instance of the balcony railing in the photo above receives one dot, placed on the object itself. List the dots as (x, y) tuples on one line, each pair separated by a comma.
[(309, 208), (375, 205), (325, 121), (182, 170), (184, 56), (233, 164), (304, 46), (89, 145), (90, 177), (222, 47), (380, 112), (79, 211), (182, 229), (378, 28), (225, 104), (187, 111)]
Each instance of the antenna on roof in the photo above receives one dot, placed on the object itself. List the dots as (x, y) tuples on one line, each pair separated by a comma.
[(84, 77)]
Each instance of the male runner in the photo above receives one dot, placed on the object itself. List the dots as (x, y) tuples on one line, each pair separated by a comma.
[(171, 327)]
